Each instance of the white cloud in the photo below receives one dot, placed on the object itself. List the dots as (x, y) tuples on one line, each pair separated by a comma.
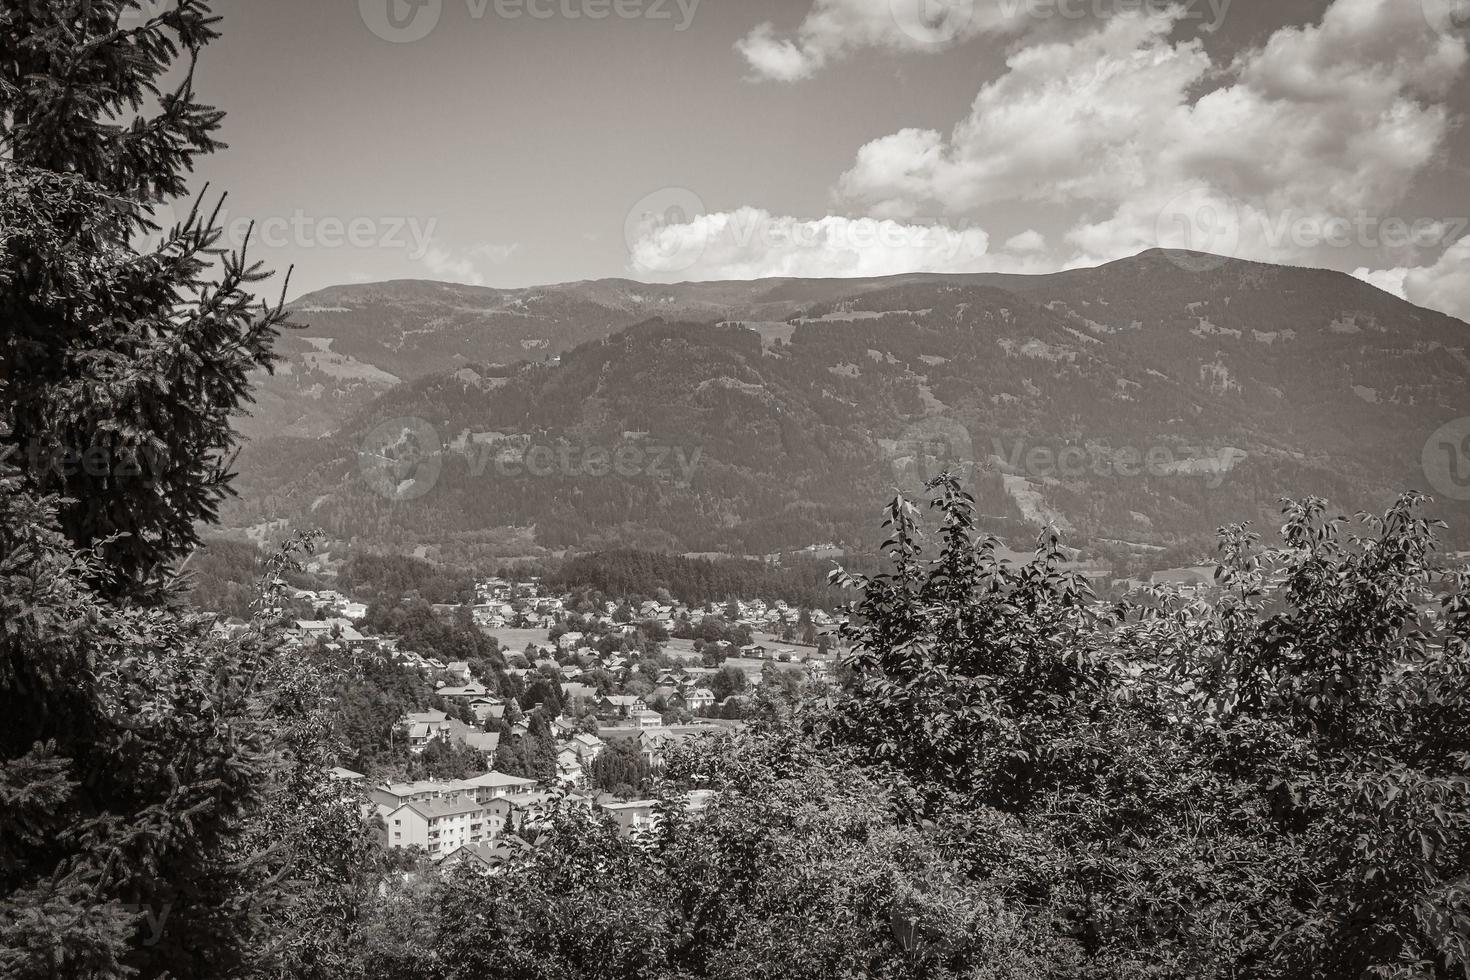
[(778, 59), (1294, 151), (754, 244), (1074, 120), (833, 30), (1443, 286), (1027, 241), (465, 267), (496, 254), (1446, 284), (1300, 150), (1333, 115), (1391, 281)]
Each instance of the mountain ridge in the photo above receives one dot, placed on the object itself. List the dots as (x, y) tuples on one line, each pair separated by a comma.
[(1245, 381), (357, 341)]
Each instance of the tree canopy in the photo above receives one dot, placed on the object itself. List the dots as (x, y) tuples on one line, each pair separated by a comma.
[(123, 359), (163, 810)]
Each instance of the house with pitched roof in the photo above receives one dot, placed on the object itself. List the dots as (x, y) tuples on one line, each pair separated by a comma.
[(699, 699), (485, 856), (620, 705), (485, 742), (568, 767), (390, 796), (587, 747), (515, 812), (314, 629), (466, 692), (482, 789), (647, 719), (487, 708), (494, 785), (654, 741), (423, 727)]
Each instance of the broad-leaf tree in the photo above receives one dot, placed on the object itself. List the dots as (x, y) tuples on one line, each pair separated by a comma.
[(1265, 778)]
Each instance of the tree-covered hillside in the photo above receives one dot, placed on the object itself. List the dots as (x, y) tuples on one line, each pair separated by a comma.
[(1139, 427)]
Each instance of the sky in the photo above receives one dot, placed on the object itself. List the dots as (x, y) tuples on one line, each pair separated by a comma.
[(521, 142)]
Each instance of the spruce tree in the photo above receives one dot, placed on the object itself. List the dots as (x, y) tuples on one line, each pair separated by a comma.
[(120, 366), (161, 788)]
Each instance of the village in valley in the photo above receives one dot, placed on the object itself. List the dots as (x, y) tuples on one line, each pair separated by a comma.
[(577, 698), (612, 687)]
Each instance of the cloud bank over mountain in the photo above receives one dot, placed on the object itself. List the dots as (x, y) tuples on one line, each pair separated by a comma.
[(1302, 149)]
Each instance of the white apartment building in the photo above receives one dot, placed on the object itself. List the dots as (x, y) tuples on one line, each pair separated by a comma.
[(438, 826)]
